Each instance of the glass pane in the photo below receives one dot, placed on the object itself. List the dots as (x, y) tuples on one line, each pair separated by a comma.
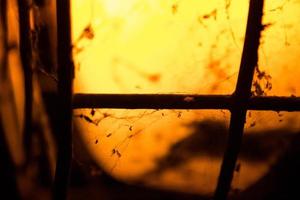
[(279, 50), (268, 139), (180, 150), (166, 46)]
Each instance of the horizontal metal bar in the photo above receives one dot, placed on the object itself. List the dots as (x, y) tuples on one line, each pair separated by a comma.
[(182, 101), (274, 103)]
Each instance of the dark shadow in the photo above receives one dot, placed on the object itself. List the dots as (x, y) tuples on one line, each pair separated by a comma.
[(282, 181), (209, 139)]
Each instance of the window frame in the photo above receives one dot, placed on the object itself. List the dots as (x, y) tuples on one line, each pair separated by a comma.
[(238, 103)]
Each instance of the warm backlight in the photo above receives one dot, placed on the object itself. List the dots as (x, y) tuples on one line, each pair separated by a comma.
[(168, 46)]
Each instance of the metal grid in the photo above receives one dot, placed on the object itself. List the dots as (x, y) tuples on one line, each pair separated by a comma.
[(238, 103)]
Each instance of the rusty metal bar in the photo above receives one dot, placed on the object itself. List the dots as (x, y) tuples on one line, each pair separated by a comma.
[(151, 101), (180, 101), (65, 92), (240, 97), (274, 103)]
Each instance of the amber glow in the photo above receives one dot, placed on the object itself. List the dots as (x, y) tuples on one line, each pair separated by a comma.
[(14, 118), (171, 46)]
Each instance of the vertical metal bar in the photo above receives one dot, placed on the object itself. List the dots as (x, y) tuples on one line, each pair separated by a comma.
[(26, 55), (65, 83), (241, 96)]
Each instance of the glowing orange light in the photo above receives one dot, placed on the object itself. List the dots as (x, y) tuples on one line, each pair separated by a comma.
[(172, 47)]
